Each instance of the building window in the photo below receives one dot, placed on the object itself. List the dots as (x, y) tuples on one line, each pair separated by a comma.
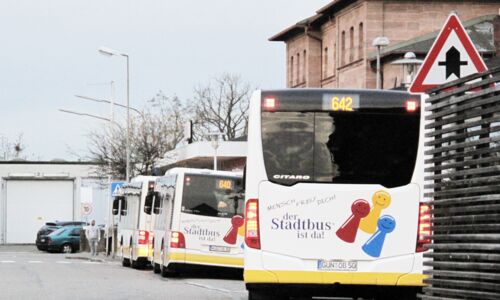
[(304, 66), (334, 48), (351, 44), (298, 68), (361, 41), (342, 49), (291, 71), (325, 63)]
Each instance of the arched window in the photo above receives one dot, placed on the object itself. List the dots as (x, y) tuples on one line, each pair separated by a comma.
[(361, 41), (342, 49), (298, 68), (351, 44), (304, 66), (325, 63)]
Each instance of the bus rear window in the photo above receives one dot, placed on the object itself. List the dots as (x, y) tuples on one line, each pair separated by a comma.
[(212, 196), (370, 147)]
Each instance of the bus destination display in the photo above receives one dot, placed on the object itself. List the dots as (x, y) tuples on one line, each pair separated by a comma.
[(340, 102)]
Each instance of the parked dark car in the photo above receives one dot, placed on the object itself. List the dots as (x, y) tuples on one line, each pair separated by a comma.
[(65, 239), (49, 227)]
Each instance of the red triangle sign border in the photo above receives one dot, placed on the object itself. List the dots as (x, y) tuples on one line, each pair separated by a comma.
[(452, 24)]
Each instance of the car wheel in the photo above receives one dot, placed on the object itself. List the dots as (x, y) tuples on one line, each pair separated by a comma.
[(39, 248), (67, 248)]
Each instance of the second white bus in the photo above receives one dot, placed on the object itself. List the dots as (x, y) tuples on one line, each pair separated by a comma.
[(199, 220)]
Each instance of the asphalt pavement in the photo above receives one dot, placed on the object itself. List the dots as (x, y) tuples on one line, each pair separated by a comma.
[(26, 273)]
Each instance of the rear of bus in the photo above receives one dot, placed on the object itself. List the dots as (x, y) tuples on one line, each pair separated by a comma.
[(207, 228), (333, 194), (141, 239)]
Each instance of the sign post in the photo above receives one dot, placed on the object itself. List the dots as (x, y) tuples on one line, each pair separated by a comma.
[(452, 56), (115, 190)]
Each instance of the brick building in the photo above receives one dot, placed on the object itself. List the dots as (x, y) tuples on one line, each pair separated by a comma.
[(334, 48)]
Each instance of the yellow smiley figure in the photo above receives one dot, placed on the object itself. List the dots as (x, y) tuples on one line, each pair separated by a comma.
[(381, 200)]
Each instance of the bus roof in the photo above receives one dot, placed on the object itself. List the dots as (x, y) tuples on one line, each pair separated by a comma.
[(202, 171)]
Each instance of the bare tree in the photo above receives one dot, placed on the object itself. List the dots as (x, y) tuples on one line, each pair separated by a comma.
[(222, 106), (12, 149), (157, 130)]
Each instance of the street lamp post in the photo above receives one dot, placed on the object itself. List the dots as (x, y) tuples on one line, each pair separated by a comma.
[(379, 42), (214, 138), (110, 216), (111, 52)]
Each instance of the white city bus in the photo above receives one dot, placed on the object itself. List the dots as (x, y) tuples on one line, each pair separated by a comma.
[(199, 220), (334, 183), (135, 223)]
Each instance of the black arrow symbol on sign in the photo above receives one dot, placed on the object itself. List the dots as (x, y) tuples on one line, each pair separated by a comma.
[(453, 62)]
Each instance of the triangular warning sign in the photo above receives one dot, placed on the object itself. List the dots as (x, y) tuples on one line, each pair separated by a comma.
[(452, 56)]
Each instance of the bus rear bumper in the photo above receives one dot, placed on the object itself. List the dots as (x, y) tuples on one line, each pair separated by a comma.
[(334, 290), (333, 278)]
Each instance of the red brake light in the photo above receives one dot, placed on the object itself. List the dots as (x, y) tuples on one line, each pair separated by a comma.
[(270, 103), (411, 106), (252, 233), (177, 240), (187, 181), (424, 227), (143, 237), (151, 186)]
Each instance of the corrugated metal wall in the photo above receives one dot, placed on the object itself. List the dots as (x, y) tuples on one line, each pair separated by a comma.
[(463, 182)]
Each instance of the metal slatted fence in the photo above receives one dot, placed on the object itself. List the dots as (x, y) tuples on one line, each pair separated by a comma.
[(463, 185)]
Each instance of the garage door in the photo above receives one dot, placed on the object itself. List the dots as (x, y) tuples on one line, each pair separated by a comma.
[(31, 203)]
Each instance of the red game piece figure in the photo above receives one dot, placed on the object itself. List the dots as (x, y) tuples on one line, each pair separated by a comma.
[(232, 235), (347, 232)]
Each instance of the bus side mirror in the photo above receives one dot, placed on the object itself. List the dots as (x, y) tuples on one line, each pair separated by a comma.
[(243, 184), (124, 207), (148, 202), (156, 205), (116, 204)]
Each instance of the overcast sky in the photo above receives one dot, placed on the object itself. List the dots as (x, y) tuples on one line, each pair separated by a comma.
[(49, 53)]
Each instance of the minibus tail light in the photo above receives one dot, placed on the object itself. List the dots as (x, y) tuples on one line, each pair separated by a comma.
[(143, 237), (177, 240), (151, 186), (424, 227), (252, 233)]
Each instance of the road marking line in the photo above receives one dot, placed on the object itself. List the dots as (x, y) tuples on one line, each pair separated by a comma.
[(209, 287), (7, 261), (35, 262), (62, 262)]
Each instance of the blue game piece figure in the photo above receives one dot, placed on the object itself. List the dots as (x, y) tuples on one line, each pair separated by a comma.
[(373, 247)]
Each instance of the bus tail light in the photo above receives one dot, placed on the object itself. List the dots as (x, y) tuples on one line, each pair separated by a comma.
[(411, 106), (270, 104), (177, 240), (252, 234), (424, 227), (143, 237)]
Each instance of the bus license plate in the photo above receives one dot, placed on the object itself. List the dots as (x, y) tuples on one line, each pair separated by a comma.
[(337, 265), (219, 248)]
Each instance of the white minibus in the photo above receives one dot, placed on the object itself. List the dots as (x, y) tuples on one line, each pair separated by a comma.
[(334, 194), (199, 220), (134, 229)]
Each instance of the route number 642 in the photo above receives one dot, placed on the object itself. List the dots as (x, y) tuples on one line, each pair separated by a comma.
[(343, 103)]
